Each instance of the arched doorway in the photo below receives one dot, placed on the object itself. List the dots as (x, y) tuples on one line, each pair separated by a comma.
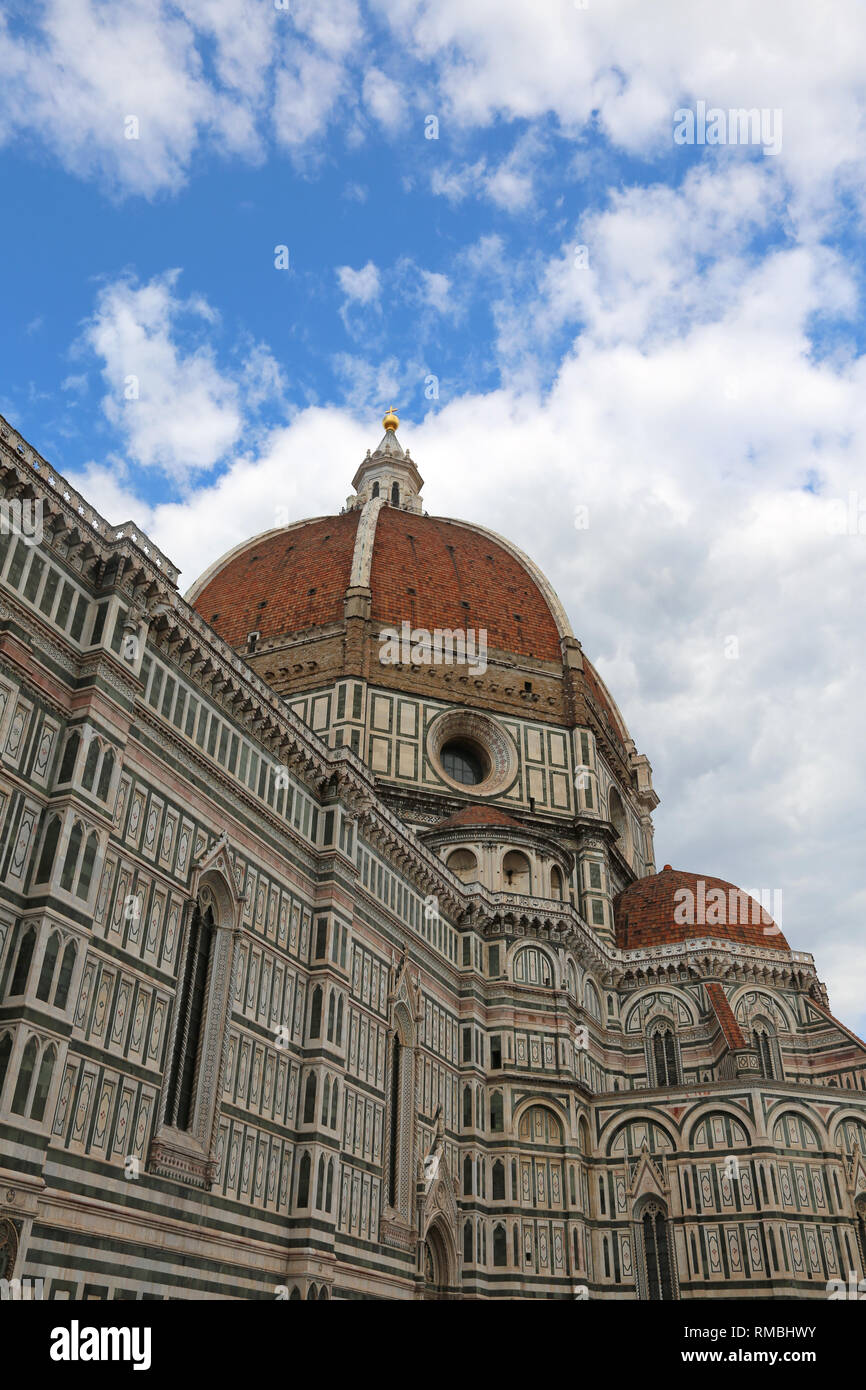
[(439, 1276)]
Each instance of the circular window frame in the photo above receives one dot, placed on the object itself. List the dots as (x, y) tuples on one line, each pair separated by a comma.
[(496, 746)]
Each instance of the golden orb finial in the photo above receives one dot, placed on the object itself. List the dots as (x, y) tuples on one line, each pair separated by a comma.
[(390, 421)]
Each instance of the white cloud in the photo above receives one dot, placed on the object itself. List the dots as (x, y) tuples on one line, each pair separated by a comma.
[(384, 99), (361, 286), (89, 68), (438, 291), (227, 75), (175, 409), (306, 94)]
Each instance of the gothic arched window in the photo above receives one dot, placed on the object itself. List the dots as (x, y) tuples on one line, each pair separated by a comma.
[(395, 495), (64, 979), (665, 1056), (46, 974), (763, 1043), (657, 1254), (498, 1181), (90, 764), (25, 1077), (22, 963), (500, 1246), (70, 753), (180, 1089), (49, 849), (88, 861), (43, 1083), (310, 1100), (496, 1113), (70, 863), (316, 1013), (105, 774), (304, 1181)]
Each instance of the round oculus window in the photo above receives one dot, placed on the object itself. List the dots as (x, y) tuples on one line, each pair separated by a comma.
[(469, 749), (464, 761)]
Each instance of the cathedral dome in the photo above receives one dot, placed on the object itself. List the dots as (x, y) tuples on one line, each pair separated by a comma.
[(674, 906), (320, 598), (428, 571)]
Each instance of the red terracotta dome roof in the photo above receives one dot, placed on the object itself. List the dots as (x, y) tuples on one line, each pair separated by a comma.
[(478, 815), (647, 913), (437, 573), (430, 572), (282, 582)]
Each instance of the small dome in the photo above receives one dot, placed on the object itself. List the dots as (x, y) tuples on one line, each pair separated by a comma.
[(478, 815), (675, 905)]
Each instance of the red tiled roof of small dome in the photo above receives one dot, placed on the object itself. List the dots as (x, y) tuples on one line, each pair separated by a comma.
[(477, 815), (646, 913)]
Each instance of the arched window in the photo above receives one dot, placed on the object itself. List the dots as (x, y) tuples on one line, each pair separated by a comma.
[(329, 1195), (22, 964), (500, 1246), (88, 860), (556, 889), (665, 1057), (616, 814), (316, 1013), (571, 979), (375, 491), (516, 872), (90, 764), (656, 1254), (304, 1181), (67, 878), (326, 1100), (463, 864), (467, 1176), (531, 967), (49, 849), (496, 1116), (334, 1107), (295, 1295), (43, 1084), (106, 773), (763, 1041), (331, 1016), (498, 1180), (25, 1077), (400, 1135), (70, 753), (310, 1099), (5, 1054), (395, 1126), (591, 1001), (320, 1185), (340, 1021), (467, 1242), (191, 998), (467, 1106), (64, 979), (395, 495), (46, 974)]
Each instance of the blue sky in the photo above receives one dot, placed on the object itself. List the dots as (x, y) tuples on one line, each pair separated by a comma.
[(694, 377)]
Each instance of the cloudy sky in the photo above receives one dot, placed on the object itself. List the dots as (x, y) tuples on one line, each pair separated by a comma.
[(235, 231)]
